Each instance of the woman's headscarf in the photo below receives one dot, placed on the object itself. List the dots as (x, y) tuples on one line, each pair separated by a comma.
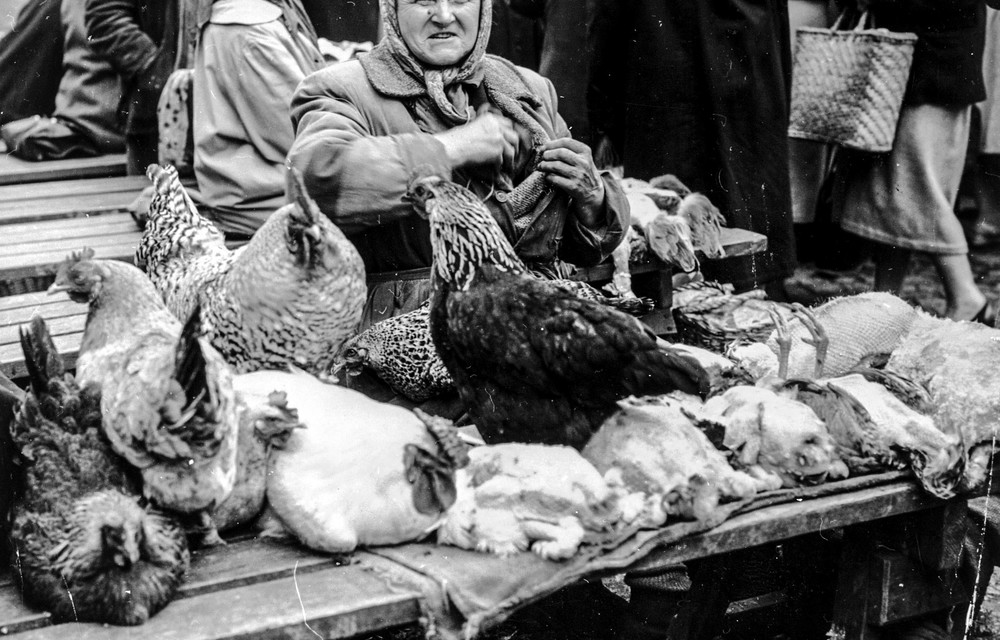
[(395, 72)]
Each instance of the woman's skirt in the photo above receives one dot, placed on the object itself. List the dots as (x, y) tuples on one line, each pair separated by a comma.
[(906, 198)]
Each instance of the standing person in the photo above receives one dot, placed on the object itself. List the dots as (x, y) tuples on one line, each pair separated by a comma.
[(427, 97), (139, 38), (700, 89), (904, 200), (250, 56), (987, 230)]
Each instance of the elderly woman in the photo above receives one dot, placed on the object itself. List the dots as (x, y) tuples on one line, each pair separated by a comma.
[(427, 96)]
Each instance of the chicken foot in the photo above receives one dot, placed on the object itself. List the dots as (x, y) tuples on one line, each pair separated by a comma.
[(819, 340)]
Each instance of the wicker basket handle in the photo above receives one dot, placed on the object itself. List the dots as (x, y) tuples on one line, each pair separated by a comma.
[(863, 20)]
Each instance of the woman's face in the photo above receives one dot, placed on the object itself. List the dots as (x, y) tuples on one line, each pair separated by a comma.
[(439, 32)]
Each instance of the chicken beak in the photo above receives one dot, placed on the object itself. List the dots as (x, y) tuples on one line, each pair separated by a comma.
[(57, 288)]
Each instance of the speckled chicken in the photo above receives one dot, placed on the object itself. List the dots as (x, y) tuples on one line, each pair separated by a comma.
[(167, 395), (293, 294), (532, 362), (399, 350), (84, 548)]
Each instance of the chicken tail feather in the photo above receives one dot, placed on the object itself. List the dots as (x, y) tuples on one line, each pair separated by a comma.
[(190, 368), (305, 236), (41, 357)]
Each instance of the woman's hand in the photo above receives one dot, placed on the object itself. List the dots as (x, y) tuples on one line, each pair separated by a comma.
[(569, 165), (490, 139)]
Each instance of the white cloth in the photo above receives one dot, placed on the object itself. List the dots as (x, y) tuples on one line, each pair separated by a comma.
[(906, 198)]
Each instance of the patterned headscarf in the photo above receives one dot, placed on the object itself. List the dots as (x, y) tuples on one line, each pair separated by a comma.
[(436, 79)]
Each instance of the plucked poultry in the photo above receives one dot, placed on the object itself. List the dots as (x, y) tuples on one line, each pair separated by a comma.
[(957, 362), (361, 472), (512, 497), (400, 351), (84, 548), (531, 362), (656, 449), (293, 294), (167, 396), (668, 236)]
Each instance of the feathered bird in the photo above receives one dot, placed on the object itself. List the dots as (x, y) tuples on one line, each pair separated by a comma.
[(705, 220), (168, 400), (84, 547), (400, 351), (293, 294), (667, 235), (531, 361)]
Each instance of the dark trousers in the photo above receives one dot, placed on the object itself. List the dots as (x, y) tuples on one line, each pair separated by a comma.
[(31, 62)]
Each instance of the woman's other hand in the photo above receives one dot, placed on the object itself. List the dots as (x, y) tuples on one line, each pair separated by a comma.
[(569, 165), (490, 139)]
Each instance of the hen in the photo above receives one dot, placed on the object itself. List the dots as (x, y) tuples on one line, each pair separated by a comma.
[(399, 350), (361, 472), (531, 361), (84, 547), (293, 294), (167, 395)]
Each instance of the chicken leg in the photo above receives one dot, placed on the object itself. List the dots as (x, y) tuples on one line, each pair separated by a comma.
[(819, 341), (784, 340)]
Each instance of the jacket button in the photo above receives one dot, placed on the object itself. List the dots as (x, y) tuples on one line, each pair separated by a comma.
[(502, 196)]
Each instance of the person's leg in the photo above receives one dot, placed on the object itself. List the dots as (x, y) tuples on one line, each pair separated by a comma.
[(963, 298)]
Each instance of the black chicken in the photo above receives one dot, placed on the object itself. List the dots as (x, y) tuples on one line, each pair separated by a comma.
[(532, 362), (84, 547)]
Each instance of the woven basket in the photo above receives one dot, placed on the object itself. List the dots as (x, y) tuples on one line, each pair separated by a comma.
[(707, 321), (848, 85)]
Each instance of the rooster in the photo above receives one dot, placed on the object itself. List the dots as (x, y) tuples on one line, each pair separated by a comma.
[(84, 547), (168, 400), (531, 361), (293, 294)]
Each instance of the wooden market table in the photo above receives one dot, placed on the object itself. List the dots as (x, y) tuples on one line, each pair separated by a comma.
[(254, 588), (16, 171)]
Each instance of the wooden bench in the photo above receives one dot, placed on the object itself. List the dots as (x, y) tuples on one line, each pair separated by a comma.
[(16, 171), (34, 202), (257, 588)]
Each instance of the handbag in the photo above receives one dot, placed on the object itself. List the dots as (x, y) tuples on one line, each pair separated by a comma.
[(38, 138), (848, 85)]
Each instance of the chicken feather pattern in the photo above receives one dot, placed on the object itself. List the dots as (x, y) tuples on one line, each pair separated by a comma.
[(532, 362), (167, 395), (293, 294)]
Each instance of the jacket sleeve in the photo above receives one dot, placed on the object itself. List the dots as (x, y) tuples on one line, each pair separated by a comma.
[(357, 178), (115, 34), (587, 246)]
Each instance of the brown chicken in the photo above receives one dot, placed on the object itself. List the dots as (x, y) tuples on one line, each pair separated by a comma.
[(293, 294), (85, 549), (167, 395)]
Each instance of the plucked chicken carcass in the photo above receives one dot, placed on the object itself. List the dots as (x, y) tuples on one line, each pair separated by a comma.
[(531, 362), (293, 294), (361, 472), (655, 449), (875, 430), (167, 396), (957, 363), (512, 497), (668, 236), (861, 330), (84, 548)]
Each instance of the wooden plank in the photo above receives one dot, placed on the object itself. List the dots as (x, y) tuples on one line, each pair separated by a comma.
[(39, 301), (16, 171), (784, 521), (741, 242), (15, 616), (22, 238), (49, 254), (332, 602), (22, 193)]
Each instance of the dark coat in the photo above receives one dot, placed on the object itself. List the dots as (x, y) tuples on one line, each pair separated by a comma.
[(948, 59), (700, 89), (139, 38), (31, 62)]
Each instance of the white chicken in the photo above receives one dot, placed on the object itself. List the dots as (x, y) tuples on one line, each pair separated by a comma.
[(361, 472)]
